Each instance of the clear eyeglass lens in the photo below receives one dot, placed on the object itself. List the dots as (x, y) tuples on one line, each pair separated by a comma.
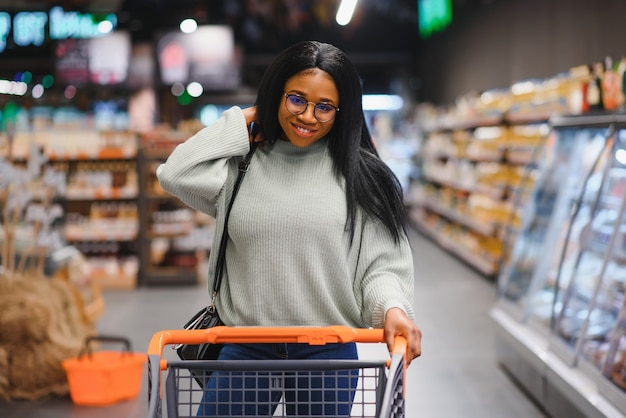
[(297, 105)]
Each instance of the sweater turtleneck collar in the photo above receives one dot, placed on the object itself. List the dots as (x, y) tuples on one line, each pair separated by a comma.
[(286, 148)]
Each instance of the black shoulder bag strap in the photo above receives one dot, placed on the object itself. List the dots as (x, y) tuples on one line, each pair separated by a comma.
[(243, 169)]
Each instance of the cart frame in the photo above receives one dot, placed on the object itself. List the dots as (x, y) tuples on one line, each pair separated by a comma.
[(389, 374)]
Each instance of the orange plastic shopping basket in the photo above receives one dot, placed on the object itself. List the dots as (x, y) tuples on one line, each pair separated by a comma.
[(174, 391), (104, 377)]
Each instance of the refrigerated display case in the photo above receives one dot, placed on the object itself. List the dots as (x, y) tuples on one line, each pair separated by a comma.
[(560, 309)]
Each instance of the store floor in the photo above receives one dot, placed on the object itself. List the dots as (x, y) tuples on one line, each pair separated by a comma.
[(457, 375)]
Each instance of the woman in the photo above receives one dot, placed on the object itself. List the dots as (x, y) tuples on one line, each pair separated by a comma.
[(317, 232)]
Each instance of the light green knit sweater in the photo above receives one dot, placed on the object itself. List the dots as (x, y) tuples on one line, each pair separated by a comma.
[(289, 261)]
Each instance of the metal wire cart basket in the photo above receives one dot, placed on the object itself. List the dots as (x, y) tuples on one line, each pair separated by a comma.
[(330, 388)]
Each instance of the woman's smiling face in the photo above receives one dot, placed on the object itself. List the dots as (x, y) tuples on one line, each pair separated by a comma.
[(314, 86)]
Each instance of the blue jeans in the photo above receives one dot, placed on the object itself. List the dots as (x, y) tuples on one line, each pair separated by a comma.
[(324, 393)]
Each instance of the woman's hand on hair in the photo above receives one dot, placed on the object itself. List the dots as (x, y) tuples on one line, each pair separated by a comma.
[(249, 114)]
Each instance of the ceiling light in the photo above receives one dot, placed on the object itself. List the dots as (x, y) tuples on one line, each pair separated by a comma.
[(382, 102), (345, 11), (188, 26)]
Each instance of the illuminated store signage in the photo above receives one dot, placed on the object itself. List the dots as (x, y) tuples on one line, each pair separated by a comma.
[(29, 28), (5, 28), (77, 25), (434, 16)]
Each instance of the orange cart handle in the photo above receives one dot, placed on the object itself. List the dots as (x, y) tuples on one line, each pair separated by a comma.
[(400, 346), (310, 335)]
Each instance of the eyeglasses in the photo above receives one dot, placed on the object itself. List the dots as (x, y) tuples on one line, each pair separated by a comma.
[(322, 111)]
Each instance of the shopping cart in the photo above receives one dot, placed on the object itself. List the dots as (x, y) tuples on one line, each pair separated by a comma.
[(380, 391)]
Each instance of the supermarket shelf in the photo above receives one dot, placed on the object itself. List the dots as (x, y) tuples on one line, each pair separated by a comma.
[(483, 265), (484, 158), (493, 191), (171, 276), (166, 234), (101, 194), (95, 154), (115, 281), (461, 124), (453, 215), (158, 196), (528, 117), (589, 120), (86, 233), (182, 232)]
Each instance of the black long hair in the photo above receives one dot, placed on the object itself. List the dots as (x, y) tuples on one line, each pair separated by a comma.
[(369, 182)]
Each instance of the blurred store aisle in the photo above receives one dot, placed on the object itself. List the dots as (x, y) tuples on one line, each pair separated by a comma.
[(457, 375)]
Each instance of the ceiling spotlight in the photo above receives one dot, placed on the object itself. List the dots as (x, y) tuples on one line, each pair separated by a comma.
[(188, 26), (345, 12)]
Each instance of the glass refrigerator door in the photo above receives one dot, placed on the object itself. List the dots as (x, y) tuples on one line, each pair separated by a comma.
[(523, 241), (590, 275), (567, 158), (590, 148), (611, 355)]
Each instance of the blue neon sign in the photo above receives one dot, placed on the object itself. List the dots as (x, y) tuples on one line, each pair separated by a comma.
[(29, 28)]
